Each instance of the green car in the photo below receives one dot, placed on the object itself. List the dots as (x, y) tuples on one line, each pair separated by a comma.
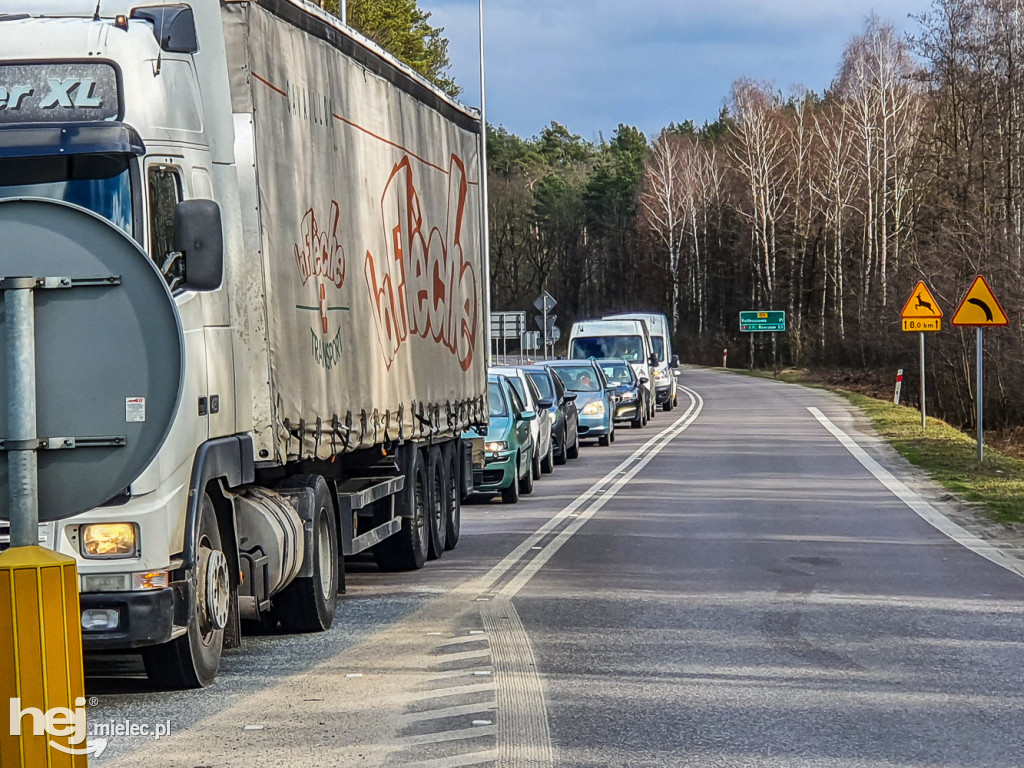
[(503, 460)]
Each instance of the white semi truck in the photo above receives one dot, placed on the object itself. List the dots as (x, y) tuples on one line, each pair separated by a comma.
[(334, 350)]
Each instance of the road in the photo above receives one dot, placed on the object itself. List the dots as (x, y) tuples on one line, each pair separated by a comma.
[(751, 580)]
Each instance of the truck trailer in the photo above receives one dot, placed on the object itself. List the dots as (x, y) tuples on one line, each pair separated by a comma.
[(333, 346)]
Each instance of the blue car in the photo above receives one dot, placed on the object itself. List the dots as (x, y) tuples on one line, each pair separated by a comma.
[(503, 459), (628, 391), (595, 397)]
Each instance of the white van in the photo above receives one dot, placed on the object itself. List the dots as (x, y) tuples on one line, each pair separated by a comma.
[(665, 392), (627, 340)]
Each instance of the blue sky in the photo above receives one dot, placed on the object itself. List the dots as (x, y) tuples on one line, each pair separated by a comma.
[(594, 64)]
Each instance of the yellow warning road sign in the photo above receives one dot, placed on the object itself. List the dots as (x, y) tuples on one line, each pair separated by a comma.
[(980, 307), (921, 312)]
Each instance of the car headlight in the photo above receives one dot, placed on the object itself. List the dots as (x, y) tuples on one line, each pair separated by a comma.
[(628, 396), (497, 445), (108, 540), (595, 408)]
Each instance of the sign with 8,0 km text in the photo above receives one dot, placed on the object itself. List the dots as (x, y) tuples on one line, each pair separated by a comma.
[(757, 321), (922, 311)]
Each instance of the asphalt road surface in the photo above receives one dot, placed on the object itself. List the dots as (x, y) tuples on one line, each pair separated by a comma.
[(751, 580)]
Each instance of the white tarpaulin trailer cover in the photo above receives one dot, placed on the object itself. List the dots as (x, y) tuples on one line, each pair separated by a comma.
[(360, 190)]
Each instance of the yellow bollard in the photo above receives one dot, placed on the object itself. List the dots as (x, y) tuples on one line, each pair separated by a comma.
[(42, 681)]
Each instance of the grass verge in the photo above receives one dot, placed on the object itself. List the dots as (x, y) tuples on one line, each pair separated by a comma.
[(946, 453)]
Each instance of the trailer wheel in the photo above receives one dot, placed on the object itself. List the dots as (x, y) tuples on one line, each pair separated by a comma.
[(407, 549), (436, 504), (192, 660), (310, 603), (453, 498)]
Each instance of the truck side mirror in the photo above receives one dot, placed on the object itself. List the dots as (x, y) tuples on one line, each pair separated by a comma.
[(675, 361), (653, 360), (199, 237)]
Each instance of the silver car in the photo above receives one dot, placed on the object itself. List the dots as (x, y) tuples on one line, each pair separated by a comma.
[(544, 456)]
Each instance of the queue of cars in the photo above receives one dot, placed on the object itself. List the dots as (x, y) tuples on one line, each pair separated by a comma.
[(541, 412)]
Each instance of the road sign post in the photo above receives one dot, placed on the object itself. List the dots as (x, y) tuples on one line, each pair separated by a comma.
[(980, 308), (545, 303), (922, 314)]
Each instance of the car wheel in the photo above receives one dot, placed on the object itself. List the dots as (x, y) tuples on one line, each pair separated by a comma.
[(637, 421), (526, 482), (535, 465), (574, 451), (510, 495), (547, 464), (563, 455), (604, 440)]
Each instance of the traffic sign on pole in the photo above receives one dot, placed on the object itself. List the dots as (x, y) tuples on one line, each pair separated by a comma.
[(921, 312), (980, 307), (545, 302), (760, 321)]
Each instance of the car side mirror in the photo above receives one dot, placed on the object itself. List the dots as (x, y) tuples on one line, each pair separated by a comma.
[(199, 244), (569, 397), (675, 361), (643, 379), (545, 404), (527, 415)]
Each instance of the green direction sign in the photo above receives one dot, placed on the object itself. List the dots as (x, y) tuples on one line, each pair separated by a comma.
[(756, 321)]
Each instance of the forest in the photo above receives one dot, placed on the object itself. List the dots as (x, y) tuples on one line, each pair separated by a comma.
[(829, 206)]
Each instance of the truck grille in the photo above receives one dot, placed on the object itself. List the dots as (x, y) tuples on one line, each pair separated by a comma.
[(5, 536)]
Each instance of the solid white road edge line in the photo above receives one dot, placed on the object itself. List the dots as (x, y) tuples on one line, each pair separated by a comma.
[(924, 510)]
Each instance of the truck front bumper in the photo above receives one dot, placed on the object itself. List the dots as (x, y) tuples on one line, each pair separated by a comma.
[(146, 618), (662, 394)]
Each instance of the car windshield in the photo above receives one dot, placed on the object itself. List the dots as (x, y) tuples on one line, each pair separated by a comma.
[(496, 401), (617, 373), (659, 347), (99, 182), (579, 378), (543, 384), (628, 348)]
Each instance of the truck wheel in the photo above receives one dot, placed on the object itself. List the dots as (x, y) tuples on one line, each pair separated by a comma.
[(547, 464), (192, 660), (526, 481), (563, 455), (510, 495), (667, 406), (407, 549), (436, 504), (309, 603), (453, 498)]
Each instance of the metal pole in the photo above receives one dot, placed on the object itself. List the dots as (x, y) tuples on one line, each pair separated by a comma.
[(544, 330), (485, 214), (980, 395), (22, 466), (924, 410)]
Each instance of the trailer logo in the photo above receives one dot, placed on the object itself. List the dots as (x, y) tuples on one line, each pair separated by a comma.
[(422, 285), (319, 257)]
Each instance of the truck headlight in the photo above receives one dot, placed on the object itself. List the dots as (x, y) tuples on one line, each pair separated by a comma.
[(658, 374), (497, 445), (108, 540), (595, 408)]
